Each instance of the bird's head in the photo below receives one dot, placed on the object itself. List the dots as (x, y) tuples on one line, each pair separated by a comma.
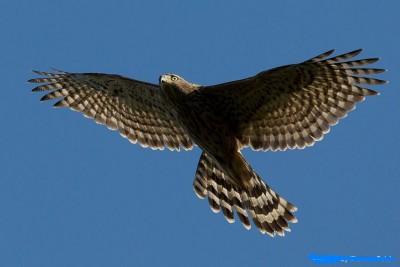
[(175, 82)]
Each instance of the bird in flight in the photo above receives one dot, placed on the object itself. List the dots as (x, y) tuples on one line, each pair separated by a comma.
[(282, 108)]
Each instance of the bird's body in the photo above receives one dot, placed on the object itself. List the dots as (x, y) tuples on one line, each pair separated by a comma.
[(208, 128), (287, 107), (200, 118)]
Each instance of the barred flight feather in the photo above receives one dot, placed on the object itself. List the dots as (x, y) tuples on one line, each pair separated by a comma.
[(297, 104), (113, 101)]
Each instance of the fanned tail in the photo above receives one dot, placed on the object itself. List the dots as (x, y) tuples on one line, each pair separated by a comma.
[(269, 212)]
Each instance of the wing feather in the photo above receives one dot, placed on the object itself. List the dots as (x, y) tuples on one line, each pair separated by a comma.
[(136, 109), (293, 106)]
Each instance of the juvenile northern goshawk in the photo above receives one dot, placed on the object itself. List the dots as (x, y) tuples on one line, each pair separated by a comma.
[(286, 107)]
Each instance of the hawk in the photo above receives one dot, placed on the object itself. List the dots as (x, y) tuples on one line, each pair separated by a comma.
[(283, 108)]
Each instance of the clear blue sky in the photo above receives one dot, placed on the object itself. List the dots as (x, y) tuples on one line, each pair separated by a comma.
[(73, 193)]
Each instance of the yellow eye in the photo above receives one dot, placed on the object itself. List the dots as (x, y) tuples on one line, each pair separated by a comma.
[(174, 78)]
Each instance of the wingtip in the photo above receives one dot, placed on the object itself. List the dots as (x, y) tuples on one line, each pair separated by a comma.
[(54, 73), (44, 98), (57, 70), (328, 53), (354, 53), (358, 51), (375, 59)]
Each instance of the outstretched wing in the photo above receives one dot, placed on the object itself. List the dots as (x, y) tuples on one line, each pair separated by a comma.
[(136, 109), (293, 106)]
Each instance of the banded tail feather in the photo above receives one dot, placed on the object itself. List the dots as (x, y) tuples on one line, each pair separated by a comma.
[(269, 212)]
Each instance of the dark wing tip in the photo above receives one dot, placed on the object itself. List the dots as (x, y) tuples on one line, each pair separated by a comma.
[(372, 92), (355, 52), (43, 73), (373, 60), (377, 71), (57, 70), (44, 98), (35, 79), (378, 81), (328, 53), (37, 72), (321, 56)]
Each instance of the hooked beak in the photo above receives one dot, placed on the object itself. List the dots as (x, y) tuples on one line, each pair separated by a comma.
[(162, 79)]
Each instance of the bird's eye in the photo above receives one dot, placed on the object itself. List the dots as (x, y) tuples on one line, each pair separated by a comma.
[(174, 78)]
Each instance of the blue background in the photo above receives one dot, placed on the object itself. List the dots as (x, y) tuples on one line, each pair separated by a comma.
[(73, 193)]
